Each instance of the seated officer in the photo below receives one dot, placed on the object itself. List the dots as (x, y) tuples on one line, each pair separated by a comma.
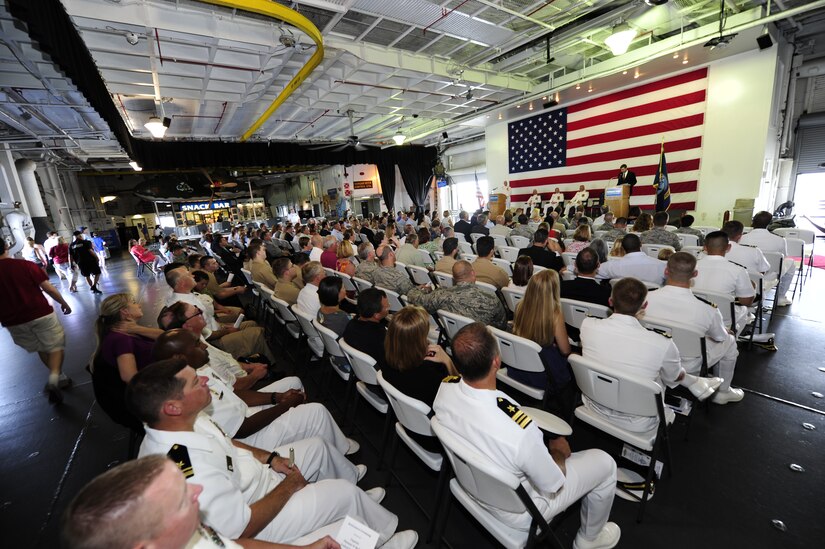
[(492, 424), (248, 492), (147, 503)]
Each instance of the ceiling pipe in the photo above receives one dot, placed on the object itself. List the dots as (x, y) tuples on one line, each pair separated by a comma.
[(282, 13)]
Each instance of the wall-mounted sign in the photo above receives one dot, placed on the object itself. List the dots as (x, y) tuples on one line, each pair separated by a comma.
[(198, 206), (332, 193), (366, 184)]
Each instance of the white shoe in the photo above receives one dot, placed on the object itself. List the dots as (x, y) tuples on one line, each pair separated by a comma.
[(731, 395), (353, 447), (767, 337), (703, 387), (376, 494), (402, 540), (362, 470), (783, 302), (607, 538)]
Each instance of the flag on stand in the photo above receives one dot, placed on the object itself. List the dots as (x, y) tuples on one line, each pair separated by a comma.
[(585, 143), (661, 183), (479, 194)]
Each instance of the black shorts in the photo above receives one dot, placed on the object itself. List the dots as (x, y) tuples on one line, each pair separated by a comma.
[(90, 269)]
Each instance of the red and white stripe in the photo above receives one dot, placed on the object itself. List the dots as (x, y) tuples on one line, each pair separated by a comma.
[(627, 127)]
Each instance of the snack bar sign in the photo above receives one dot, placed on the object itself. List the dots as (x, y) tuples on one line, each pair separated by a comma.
[(198, 206)]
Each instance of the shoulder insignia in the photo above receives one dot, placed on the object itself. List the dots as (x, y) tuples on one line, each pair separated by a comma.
[(737, 264), (660, 332), (748, 245), (180, 455), (451, 379), (703, 300), (521, 419), (208, 533)]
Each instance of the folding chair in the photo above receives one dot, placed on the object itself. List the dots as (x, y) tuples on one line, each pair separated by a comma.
[(499, 240), (705, 229), (475, 236), (626, 394), (508, 253), (523, 353), (653, 249), (425, 255), (419, 275), (513, 296), (337, 360), (694, 250), (451, 323), (401, 267), (469, 257), (414, 416), (487, 287), (365, 375), (361, 284), (479, 484), (519, 242), (443, 280), (248, 275), (796, 248), (393, 298), (575, 312), (808, 237), (569, 259), (465, 248), (687, 239), (314, 341), (504, 264)]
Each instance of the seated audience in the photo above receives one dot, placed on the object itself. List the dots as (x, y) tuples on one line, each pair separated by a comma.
[(308, 301), (581, 239), (366, 262), (659, 234), (635, 263), (540, 253), (259, 267), (285, 287), (388, 276), (522, 271), (686, 227), (331, 293), (643, 223), (486, 270), (137, 249)]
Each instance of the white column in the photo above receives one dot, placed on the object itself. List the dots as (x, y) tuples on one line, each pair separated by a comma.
[(11, 190)]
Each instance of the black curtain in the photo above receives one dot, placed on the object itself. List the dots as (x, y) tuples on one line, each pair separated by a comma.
[(416, 176), (50, 26), (386, 172)]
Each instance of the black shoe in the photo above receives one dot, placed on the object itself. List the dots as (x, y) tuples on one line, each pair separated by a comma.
[(96, 290), (54, 394)]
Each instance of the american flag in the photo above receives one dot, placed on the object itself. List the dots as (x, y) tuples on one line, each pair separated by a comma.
[(585, 143)]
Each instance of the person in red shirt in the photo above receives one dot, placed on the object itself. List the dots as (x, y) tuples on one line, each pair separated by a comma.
[(30, 318)]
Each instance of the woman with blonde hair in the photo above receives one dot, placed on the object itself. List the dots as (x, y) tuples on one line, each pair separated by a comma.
[(345, 250), (643, 223), (124, 347), (414, 365), (539, 318), (581, 239), (617, 250)]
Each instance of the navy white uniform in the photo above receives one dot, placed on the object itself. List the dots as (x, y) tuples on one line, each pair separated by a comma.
[(769, 242), (717, 274), (623, 343), (490, 422), (228, 411), (750, 257), (680, 305), (579, 198), (233, 479), (636, 264)]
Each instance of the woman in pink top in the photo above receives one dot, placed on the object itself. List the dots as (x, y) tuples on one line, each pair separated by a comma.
[(581, 239)]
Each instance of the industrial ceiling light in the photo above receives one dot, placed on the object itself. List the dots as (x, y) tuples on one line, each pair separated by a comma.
[(157, 127), (620, 39), (135, 165), (399, 138), (132, 37)]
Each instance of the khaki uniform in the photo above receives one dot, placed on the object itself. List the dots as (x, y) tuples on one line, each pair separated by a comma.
[(288, 291), (487, 271), (465, 298), (262, 273), (445, 265)]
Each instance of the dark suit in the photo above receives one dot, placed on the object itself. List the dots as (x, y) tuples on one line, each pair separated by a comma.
[(463, 227), (543, 257), (588, 290), (627, 178), (480, 229)]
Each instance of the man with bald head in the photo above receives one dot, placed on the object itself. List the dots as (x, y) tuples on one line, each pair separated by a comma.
[(463, 298), (317, 242), (501, 228), (387, 276)]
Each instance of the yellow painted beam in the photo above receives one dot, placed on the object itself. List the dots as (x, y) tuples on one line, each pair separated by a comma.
[(281, 13)]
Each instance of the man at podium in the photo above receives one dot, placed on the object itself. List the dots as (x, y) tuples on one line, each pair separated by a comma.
[(626, 177)]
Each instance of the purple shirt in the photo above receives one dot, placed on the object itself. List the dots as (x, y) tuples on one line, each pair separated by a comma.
[(116, 344)]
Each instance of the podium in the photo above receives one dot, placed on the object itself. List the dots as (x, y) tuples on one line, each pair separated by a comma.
[(618, 200), (497, 203)]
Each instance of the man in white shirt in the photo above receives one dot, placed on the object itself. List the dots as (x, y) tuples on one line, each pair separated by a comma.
[(500, 229), (556, 198), (749, 257), (317, 242), (308, 300), (635, 263), (621, 341), (247, 491), (408, 253), (492, 424), (675, 302), (580, 198), (769, 242)]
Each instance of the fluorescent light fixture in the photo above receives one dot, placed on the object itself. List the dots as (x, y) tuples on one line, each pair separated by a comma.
[(157, 127), (135, 165), (399, 138), (620, 39), (107, 198), (137, 216)]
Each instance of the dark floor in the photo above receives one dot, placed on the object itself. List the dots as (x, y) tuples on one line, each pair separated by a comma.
[(731, 479)]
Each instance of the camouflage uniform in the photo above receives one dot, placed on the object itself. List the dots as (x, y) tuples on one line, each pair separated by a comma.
[(658, 235), (694, 232), (365, 270), (614, 234), (391, 278), (522, 230), (605, 227), (465, 298)]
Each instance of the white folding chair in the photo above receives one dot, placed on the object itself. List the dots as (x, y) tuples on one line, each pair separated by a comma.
[(569, 259), (575, 312), (691, 343), (694, 250), (248, 275), (347, 280), (333, 349), (330, 272), (796, 248), (687, 240), (569, 232), (401, 267), (628, 394), (807, 236), (538, 268), (365, 375), (504, 264), (465, 248), (487, 287), (443, 280), (469, 257), (671, 228), (705, 229), (508, 253), (414, 416), (419, 275), (284, 314), (316, 344), (361, 284), (425, 255), (653, 249), (393, 298), (451, 323), (475, 236), (519, 352), (296, 246), (480, 484), (499, 240), (519, 242), (513, 296)]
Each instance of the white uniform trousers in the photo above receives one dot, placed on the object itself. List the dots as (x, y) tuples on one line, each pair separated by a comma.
[(300, 422), (318, 461), (786, 278), (722, 357), (590, 476), (323, 503)]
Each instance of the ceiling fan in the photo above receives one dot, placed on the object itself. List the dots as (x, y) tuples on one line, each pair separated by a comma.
[(217, 186), (352, 140)]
